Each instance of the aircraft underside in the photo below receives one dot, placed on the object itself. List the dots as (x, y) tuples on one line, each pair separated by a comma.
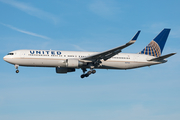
[(62, 67)]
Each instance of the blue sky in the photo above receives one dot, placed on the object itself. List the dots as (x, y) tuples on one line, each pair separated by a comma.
[(92, 25)]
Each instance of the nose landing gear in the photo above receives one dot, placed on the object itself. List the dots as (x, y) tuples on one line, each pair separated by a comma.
[(16, 66), (17, 71)]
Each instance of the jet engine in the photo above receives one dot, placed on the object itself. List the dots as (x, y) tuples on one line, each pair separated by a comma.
[(74, 63), (64, 70)]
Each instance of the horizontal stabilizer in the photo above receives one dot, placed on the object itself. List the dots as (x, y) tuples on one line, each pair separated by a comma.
[(162, 57)]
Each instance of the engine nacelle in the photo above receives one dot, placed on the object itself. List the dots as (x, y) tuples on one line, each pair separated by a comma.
[(74, 63), (64, 70)]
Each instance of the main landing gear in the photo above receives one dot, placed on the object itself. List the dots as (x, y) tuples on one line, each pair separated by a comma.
[(88, 73), (16, 66)]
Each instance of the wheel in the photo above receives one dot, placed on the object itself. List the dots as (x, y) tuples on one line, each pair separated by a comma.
[(82, 76), (17, 71), (94, 71), (86, 75), (89, 72)]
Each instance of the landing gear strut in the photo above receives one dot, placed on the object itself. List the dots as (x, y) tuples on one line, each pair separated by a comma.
[(16, 66), (91, 71)]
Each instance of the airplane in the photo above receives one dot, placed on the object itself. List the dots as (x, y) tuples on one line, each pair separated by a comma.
[(69, 61)]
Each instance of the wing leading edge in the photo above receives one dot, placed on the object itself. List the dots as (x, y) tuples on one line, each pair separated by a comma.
[(110, 53)]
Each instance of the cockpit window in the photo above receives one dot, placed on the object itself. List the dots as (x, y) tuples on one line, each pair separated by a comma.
[(10, 54)]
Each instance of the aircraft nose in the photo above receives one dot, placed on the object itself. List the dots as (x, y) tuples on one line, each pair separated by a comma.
[(8, 59), (5, 58)]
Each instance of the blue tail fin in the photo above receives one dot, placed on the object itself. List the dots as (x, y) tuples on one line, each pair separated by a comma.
[(155, 47)]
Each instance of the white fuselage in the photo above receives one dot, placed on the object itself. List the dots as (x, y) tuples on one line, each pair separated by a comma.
[(56, 58)]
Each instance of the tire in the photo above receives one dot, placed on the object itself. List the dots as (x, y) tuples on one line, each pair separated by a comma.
[(17, 71)]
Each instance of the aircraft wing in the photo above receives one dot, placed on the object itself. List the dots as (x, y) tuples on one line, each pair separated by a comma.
[(110, 53)]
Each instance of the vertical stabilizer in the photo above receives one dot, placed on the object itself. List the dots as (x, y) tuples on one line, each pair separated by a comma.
[(155, 47)]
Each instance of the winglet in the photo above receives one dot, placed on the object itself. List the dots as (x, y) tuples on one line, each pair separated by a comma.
[(133, 40), (136, 36)]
